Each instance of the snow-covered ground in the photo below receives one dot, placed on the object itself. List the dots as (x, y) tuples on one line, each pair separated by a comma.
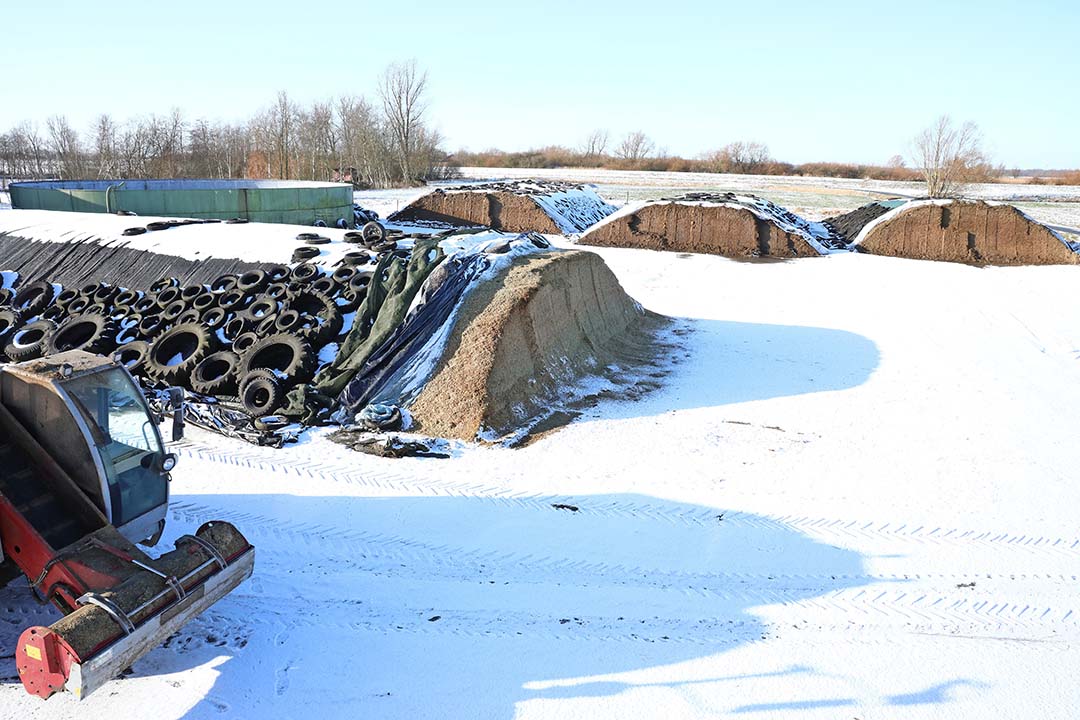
[(811, 197), (853, 497)]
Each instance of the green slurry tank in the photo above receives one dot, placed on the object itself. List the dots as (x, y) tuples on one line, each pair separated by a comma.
[(273, 201)]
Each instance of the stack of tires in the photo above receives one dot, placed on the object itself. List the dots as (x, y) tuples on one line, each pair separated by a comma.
[(250, 337)]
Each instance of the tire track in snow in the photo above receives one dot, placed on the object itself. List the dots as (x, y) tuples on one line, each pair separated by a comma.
[(326, 615), (817, 528), (918, 601)]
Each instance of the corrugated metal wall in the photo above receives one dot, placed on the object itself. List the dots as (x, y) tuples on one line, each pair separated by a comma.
[(280, 202)]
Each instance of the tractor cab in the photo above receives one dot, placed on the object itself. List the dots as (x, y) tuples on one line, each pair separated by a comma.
[(90, 415), (84, 476)]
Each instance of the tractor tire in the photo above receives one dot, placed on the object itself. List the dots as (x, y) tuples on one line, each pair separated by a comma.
[(146, 305), (276, 291), (278, 273), (79, 305), (326, 285), (349, 300), (33, 298), (253, 282), (373, 233), (356, 259), (216, 374), (64, 298), (223, 284), (243, 342), (304, 273), (133, 356), (9, 323), (90, 333), (236, 326), (343, 274), (162, 283), (214, 318), (289, 357), (127, 297), (151, 325), (54, 312), (261, 393), (30, 341), (303, 254), (287, 321), (204, 302), (261, 307), (267, 326), (234, 300), (189, 315), (190, 292), (168, 296), (176, 352), (106, 294), (172, 312)]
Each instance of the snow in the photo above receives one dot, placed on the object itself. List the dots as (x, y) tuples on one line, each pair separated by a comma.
[(1004, 192), (249, 242), (854, 496)]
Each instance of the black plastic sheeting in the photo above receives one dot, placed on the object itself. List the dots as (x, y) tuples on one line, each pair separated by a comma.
[(382, 374), (73, 264)]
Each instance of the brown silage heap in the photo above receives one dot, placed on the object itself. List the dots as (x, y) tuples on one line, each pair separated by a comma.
[(499, 210), (523, 337), (714, 229), (965, 231)]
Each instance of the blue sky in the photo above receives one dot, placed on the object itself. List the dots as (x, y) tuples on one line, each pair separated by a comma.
[(833, 80)]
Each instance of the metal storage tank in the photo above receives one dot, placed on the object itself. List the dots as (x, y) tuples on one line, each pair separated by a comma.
[(273, 201)]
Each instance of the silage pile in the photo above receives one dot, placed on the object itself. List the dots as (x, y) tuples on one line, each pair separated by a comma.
[(547, 207), (966, 231), (728, 224), (349, 324)]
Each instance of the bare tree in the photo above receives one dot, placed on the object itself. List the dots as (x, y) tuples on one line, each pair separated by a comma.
[(282, 118), (372, 146), (595, 143), (635, 146), (65, 145), (105, 146), (402, 93), (740, 157), (949, 157)]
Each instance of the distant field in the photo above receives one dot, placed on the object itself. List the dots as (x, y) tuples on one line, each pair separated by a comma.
[(814, 198)]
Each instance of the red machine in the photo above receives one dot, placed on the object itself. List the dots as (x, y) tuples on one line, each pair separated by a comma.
[(84, 476)]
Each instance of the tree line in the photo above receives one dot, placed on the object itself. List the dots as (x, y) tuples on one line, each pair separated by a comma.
[(382, 142)]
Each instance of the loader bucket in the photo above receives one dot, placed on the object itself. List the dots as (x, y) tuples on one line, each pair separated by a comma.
[(112, 629)]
